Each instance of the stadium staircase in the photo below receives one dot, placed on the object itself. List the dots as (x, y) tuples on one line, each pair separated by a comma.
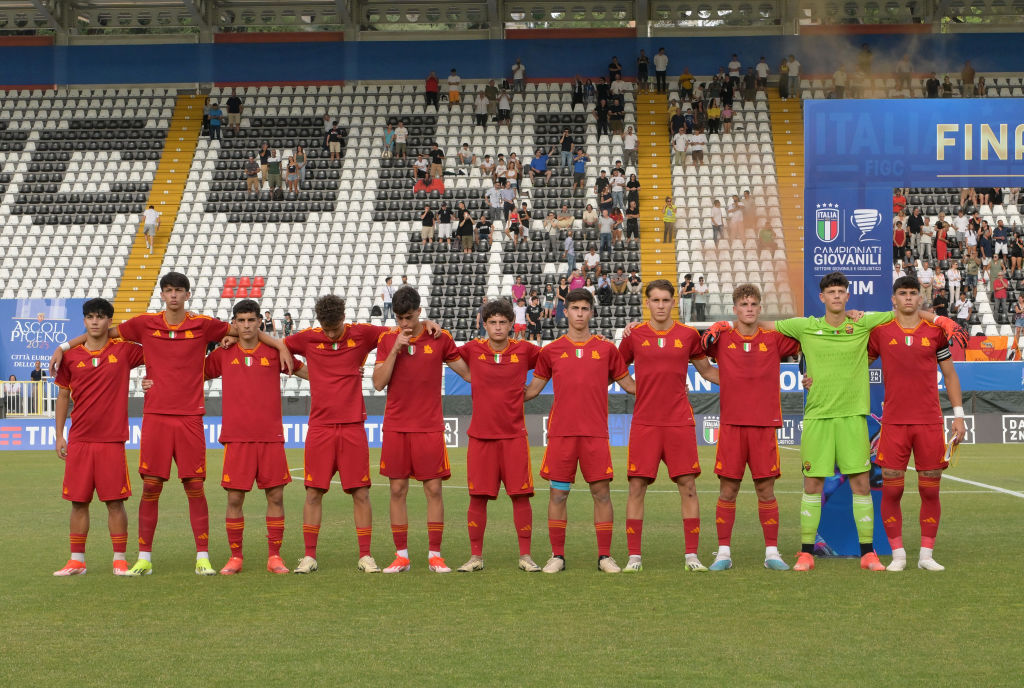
[(143, 269), (787, 121), (654, 172)]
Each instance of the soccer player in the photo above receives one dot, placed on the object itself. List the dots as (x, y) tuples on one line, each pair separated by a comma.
[(748, 359), (663, 425), (252, 432), (174, 342), (411, 365), (499, 449), (912, 419), (581, 365), (95, 375)]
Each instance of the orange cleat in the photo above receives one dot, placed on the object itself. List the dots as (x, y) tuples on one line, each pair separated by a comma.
[(276, 565), (804, 562), (870, 562), (120, 567), (233, 566), (399, 565), (72, 568)]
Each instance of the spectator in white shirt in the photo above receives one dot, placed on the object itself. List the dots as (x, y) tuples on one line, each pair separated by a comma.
[(734, 70), (629, 146), (696, 143), (661, 71), (839, 82), (762, 70), (519, 77), (150, 222), (953, 280), (925, 275), (480, 106), (679, 147), (794, 77), (927, 241), (717, 221), (454, 89)]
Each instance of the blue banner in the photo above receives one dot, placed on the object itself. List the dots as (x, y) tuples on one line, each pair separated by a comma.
[(30, 329)]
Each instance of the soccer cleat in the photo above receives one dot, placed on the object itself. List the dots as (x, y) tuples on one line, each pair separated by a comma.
[(276, 565), (526, 563), (143, 567), (399, 565), (437, 565), (367, 564), (897, 565), (306, 565), (475, 563), (870, 562), (120, 567), (926, 564), (72, 568), (608, 565), (693, 564), (804, 562), (633, 565), (233, 566), (776, 564), (720, 565), (554, 565), (204, 568)]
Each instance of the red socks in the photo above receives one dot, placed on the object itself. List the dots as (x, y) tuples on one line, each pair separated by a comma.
[(400, 534), (522, 516), (435, 530), (310, 534), (604, 538), (78, 543), (892, 517), (634, 535), (119, 541), (931, 509), (768, 515), (198, 513), (275, 534), (363, 538), (691, 534), (556, 533), (476, 521), (725, 518), (235, 527), (149, 508)]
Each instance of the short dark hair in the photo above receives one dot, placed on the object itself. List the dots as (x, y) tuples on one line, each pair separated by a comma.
[(580, 294), (907, 282), (175, 279), (497, 307), (744, 291), (660, 284), (405, 300), (246, 306), (330, 310), (100, 307), (833, 279)]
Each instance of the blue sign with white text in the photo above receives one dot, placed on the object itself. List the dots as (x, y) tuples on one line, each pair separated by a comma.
[(30, 329)]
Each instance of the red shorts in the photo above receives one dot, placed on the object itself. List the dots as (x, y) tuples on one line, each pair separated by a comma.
[(264, 462), (563, 454), (337, 448), (420, 455), (99, 466), (491, 462), (928, 442), (179, 437), (519, 328), (740, 446), (649, 445)]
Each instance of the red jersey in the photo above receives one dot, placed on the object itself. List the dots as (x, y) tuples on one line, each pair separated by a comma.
[(909, 358), (499, 385), (581, 373), (748, 372), (98, 381), (662, 360), (336, 370), (175, 356), (414, 393), (251, 404)]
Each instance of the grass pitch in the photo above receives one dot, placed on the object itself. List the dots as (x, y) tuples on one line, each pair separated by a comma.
[(835, 626)]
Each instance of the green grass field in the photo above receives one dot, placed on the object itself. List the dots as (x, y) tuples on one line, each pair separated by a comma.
[(837, 625)]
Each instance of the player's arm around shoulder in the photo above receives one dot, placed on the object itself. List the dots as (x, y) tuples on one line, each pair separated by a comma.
[(705, 369), (790, 327), (454, 359), (287, 362)]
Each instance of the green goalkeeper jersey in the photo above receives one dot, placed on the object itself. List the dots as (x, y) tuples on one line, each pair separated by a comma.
[(837, 361)]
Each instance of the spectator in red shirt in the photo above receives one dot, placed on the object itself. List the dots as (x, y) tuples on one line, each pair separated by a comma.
[(999, 286), (899, 239), (432, 89), (899, 201)]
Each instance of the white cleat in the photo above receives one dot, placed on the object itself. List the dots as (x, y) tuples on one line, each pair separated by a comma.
[(305, 565), (475, 563), (608, 565), (897, 565), (930, 565), (367, 564), (634, 565), (526, 563), (554, 565)]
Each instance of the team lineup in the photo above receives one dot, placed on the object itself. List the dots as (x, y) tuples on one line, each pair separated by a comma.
[(93, 372)]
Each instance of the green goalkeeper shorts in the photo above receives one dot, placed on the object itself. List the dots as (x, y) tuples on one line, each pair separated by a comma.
[(829, 443)]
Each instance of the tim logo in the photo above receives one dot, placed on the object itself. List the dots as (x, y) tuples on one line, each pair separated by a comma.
[(451, 432), (826, 220), (947, 423), (711, 428), (1013, 429), (866, 220)]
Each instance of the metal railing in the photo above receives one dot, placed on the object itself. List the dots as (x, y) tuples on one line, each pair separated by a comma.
[(28, 399)]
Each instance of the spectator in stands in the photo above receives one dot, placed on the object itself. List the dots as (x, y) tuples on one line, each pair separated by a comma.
[(491, 92), (482, 230), (590, 216), (914, 224), (604, 196), (432, 90), (487, 167), (999, 290), (762, 70), (603, 92), (565, 145), (466, 157), (436, 161), (940, 302), (234, 111), (618, 188), (972, 268), (1016, 250), (480, 332), (518, 77), (899, 239), (561, 292), (150, 223), (514, 227), (401, 137), (903, 73), (749, 85), (1000, 237), (513, 171), (941, 239), (301, 161), (518, 289), (12, 397), (1018, 321), (766, 238), (389, 142), (980, 90), (444, 225), (267, 323), (534, 318), (494, 202), (454, 88), (899, 201), (668, 217), (661, 71), (292, 175), (252, 175), (619, 282), (953, 280), (288, 325), (274, 170), (734, 213), (519, 320), (386, 296), (614, 70), (550, 225), (963, 309), (898, 271), (784, 79), (632, 220), (601, 113), (697, 143), (947, 87), (714, 117), (925, 275), (334, 141), (995, 268), (618, 217), (839, 79), (264, 154), (569, 253), (480, 109), (967, 75), (508, 200), (931, 86), (734, 66), (466, 231), (794, 77), (679, 147), (216, 116), (986, 245), (548, 302), (565, 217), (592, 260), (700, 300), (635, 283), (505, 109), (539, 165), (427, 225), (717, 221), (686, 292), (643, 65), (326, 123)]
